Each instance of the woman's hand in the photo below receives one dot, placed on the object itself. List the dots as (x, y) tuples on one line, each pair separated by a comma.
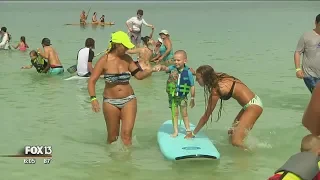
[(192, 103), (95, 106), (189, 135), (193, 71)]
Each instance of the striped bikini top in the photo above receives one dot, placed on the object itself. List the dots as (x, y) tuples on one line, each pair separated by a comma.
[(117, 78)]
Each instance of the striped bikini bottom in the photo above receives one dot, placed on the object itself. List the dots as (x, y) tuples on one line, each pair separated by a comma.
[(119, 103)]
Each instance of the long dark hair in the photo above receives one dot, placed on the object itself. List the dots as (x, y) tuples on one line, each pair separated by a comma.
[(23, 39), (210, 81), (145, 40)]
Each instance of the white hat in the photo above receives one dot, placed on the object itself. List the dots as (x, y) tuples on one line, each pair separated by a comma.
[(165, 32), (160, 40)]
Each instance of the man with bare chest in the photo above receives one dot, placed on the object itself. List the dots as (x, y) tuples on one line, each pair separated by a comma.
[(54, 66)]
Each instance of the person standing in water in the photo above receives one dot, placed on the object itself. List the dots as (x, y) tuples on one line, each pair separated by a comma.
[(134, 26), (309, 46), (223, 86), (119, 100), (54, 66), (85, 57)]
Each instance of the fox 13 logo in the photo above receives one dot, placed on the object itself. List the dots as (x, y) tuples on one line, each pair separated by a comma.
[(42, 151), (33, 152)]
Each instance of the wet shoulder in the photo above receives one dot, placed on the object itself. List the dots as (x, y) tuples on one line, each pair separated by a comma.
[(49, 48)]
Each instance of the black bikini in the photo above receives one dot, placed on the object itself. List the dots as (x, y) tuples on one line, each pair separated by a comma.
[(229, 95)]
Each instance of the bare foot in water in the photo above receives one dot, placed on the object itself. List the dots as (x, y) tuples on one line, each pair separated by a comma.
[(175, 134)]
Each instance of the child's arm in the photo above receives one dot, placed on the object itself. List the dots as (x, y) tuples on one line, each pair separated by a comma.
[(27, 67), (17, 46), (27, 45)]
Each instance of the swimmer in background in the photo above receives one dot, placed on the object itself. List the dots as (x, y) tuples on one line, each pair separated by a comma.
[(148, 42), (303, 165), (54, 66), (94, 18), (179, 84), (36, 61), (22, 45), (5, 38), (144, 53), (102, 19), (165, 55), (83, 18), (156, 44)]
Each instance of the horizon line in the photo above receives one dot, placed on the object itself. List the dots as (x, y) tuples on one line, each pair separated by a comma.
[(164, 1)]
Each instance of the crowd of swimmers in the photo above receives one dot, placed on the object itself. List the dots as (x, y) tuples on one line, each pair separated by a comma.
[(120, 102)]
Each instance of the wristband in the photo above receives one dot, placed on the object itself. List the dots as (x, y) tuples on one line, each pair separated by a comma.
[(192, 98), (193, 134), (92, 98), (298, 69)]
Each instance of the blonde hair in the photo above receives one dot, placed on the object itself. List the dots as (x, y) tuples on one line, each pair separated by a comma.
[(309, 143), (183, 52)]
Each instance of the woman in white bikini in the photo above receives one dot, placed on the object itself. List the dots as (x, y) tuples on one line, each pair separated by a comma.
[(223, 86)]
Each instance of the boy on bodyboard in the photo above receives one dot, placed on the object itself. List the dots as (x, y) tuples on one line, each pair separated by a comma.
[(179, 84)]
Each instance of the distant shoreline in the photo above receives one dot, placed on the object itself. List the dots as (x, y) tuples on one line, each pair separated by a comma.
[(163, 1)]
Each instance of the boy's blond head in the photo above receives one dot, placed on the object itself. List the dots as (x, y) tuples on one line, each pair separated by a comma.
[(310, 143), (182, 52)]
